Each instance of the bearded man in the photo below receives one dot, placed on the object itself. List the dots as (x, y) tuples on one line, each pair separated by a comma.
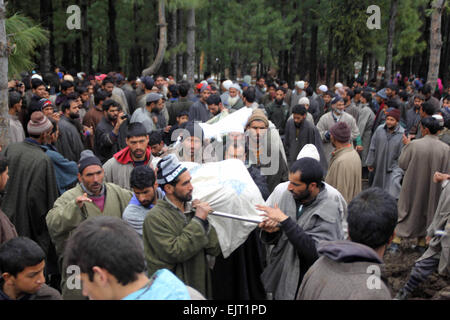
[(118, 168), (72, 133)]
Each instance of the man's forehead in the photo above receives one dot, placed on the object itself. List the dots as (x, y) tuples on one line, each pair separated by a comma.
[(137, 138), (93, 169), (35, 268), (295, 177), (145, 190), (185, 176), (257, 124)]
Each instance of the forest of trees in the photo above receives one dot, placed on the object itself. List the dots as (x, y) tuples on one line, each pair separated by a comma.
[(318, 40)]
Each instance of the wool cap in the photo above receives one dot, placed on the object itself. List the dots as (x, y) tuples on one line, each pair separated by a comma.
[(38, 123), (258, 114), (382, 94), (169, 168), (87, 158), (341, 132), (336, 99), (153, 97), (394, 113), (43, 103)]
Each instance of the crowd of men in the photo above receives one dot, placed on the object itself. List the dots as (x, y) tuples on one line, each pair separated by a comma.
[(94, 178)]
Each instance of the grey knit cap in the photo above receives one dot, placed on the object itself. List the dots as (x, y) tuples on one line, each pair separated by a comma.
[(169, 168)]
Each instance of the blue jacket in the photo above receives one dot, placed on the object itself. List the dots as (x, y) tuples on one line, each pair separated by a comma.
[(65, 171)]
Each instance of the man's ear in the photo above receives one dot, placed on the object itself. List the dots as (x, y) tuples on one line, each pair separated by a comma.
[(7, 277), (101, 276), (168, 188)]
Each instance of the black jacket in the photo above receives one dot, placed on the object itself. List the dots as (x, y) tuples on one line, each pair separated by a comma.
[(106, 143)]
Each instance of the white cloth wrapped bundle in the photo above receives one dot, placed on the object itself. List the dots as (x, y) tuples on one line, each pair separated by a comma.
[(234, 122), (227, 187)]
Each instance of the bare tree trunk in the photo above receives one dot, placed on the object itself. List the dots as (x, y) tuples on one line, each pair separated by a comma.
[(46, 17), (302, 61), (446, 49), (113, 46), (173, 42), (190, 46), (314, 36), (372, 71), (180, 37), (313, 57), (4, 52), (86, 50), (390, 44), (162, 41), (364, 65), (135, 51), (329, 57), (435, 42)]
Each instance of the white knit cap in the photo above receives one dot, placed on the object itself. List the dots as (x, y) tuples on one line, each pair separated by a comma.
[(300, 84), (227, 84), (303, 100), (323, 88), (309, 151), (338, 85)]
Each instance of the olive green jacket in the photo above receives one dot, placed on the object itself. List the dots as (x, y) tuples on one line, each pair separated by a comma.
[(66, 215), (180, 243)]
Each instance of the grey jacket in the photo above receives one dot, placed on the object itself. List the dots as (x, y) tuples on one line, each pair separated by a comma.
[(345, 271), (143, 116), (321, 220)]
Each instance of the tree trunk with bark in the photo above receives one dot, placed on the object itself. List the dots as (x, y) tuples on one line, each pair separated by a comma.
[(86, 48), (113, 46), (330, 64), (135, 51), (445, 54), (46, 18), (190, 46), (173, 42), (4, 52), (162, 41), (365, 62), (390, 44), (314, 36), (435, 42), (180, 37), (302, 59), (313, 56)]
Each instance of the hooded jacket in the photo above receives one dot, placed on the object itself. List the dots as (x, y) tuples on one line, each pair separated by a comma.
[(118, 168), (345, 271)]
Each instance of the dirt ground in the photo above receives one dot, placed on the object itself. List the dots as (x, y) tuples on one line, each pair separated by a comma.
[(398, 267)]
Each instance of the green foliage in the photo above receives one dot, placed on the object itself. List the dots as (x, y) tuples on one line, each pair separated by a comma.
[(234, 33), (253, 28), (408, 26), (23, 36)]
